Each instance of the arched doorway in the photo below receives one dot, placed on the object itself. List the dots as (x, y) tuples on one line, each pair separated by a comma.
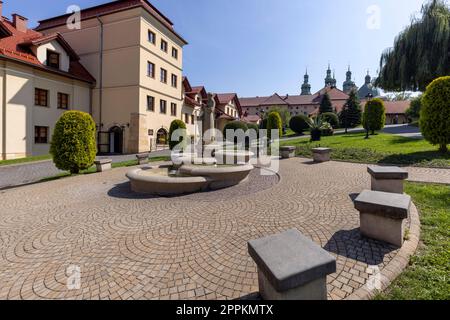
[(162, 137), (116, 140)]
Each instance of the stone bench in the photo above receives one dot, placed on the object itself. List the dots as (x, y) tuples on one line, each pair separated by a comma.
[(383, 215), (103, 165), (321, 154), (287, 152), (387, 179), (143, 158), (291, 267)]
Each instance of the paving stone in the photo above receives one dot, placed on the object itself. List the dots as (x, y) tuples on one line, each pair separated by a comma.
[(191, 247)]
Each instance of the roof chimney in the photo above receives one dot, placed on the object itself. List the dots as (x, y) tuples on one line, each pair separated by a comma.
[(1, 9), (20, 23)]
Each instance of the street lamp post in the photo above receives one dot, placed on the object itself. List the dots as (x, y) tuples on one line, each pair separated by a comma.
[(369, 98)]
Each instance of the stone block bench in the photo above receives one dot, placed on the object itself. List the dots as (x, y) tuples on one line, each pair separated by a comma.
[(387, 179), (291, 267), (383, 215), (143, 158), (321, 154), (103, 165), (287, 152)]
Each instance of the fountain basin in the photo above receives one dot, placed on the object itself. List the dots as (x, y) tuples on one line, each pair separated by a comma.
[(219, 176), (169, 180), (157, 181), (233, 157)]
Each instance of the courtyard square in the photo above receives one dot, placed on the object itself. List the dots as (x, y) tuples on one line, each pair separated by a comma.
[(131, 246)]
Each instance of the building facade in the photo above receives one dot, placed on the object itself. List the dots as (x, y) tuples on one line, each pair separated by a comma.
[(136, 56), (255, 108), (41, 77)]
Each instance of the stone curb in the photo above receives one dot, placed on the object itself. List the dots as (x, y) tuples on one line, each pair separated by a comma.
[(398, 264)]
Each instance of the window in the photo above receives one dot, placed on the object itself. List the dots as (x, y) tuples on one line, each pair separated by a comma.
[(174, 81), (63, 101), (164, 45), (41, 97), (163, 75), (150, 103), (52, 59), (151, 37), (174, 53), (163, 106), (173, 109), (150, 69), (192, 119), (40, 134), (186, 118)]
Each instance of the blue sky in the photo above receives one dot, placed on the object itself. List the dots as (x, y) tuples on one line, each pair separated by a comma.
[(258, 47)]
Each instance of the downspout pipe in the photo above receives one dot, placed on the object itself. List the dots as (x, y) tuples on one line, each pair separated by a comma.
[(101, 75)]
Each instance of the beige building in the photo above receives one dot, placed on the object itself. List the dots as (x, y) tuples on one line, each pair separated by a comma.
[(136, 57), (40, 78)]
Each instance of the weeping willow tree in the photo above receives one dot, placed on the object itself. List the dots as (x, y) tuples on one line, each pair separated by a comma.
[(421, 52)]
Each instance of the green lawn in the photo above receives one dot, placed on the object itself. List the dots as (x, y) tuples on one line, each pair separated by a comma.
[(24, 160), (428, 275), (381, 148)]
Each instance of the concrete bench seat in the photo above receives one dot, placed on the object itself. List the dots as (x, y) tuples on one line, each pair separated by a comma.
[(103, 165), (383, 215), (291, 267), (321, 154), (287, 152), (143, 158), (387, 179)]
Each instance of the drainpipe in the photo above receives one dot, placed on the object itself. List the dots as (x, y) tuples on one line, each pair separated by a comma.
[(3, 110), (101, 73)]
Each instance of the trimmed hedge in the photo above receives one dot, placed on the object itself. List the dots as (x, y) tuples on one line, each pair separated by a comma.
[(374, 117), (73, 145), (253, 126), (234, 125), (175, 125), (299, 124), (435, 113), (331, 118), (274, 122)]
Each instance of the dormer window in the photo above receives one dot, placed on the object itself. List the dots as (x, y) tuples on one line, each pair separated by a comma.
[(53, 59)]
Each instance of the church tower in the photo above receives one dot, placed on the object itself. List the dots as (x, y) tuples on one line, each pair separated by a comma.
[(349, 85), (329, 80), (306, 87)]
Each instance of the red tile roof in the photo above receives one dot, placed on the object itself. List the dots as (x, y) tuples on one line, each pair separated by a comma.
[(394, 107), (274, 100), (225, 98), (17, 47), (251, 118), (112, 7)]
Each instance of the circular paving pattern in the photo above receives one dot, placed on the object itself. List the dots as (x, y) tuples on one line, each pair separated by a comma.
[(129, 246)]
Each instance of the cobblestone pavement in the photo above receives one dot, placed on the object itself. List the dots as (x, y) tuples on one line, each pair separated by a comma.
[(429, 175), (191, 247), (20, 174)]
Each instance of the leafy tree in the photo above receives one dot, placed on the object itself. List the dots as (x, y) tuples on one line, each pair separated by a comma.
[(398, 96), (299, 123), (274, 122), (374, 117), (73, 145), (182, 140), (350, 116), (285, 115), (325, 104), (420, 53), (413, 111), (435, 113), (331, 118)]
